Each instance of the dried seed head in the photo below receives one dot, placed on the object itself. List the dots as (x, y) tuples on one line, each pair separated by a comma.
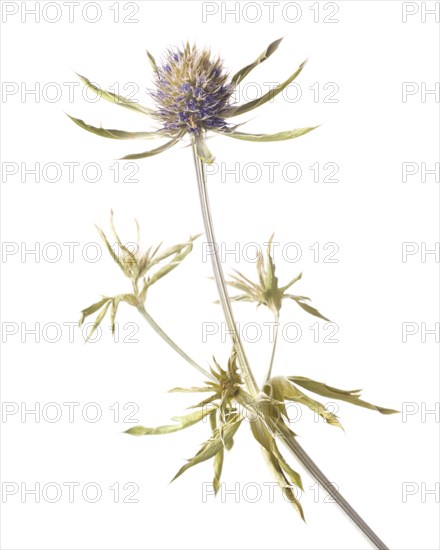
[(192, 90)]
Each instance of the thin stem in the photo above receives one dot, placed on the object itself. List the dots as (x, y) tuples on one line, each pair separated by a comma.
[(321, 478), (285, 433), (274, 347), (220, 278), (171, 342)]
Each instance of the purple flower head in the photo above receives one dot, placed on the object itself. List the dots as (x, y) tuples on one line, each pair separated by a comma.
[(192, 90), (193, 96)]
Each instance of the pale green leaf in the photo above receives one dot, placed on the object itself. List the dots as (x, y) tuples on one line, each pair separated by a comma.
[(181, 422), (115, 303), (351, 396), (218, 459), (191, 390), (118, 99), (282, 389), (92, 309), (118, 134), (171, 250), (203, 151), (178, 258), (240, 109), (99, 319), (294, 476), (156, 151), (152, 61), (280, 136), (306, 307), (112, 252), (283, 483), (128, 298), (212, 446), (206, 401), (262, 434), (293, 281), (129, 253), (242, 73)]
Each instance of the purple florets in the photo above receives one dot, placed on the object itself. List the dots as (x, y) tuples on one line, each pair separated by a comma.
[(192, 91)]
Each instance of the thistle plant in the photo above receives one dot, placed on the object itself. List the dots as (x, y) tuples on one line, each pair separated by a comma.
[(193, 97)]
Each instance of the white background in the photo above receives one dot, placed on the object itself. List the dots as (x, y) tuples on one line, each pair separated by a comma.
[(369, 213)]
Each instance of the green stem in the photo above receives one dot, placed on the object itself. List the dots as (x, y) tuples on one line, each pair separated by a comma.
[(274, 347), (321, 478), (285, 433), (220, 278), (171, 342)]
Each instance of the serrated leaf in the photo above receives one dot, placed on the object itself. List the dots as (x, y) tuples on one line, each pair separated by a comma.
[(245, 280), (99, 319), (306, 307), (118, 99), (117, 134), (156, 151), (92, 309), (282, 389), (218, 459), (127, 251), (294, 476), (128, 298), (292, 282), (242, 73), (152, 61), (182, 422), (237, 299), (171, 250), (240, 109), (190, 390), (212, 446), (280, 136), (115, 304), (350, 396), (178, 258), (206, 401), (283, 483), (112, 252), (262, 434)]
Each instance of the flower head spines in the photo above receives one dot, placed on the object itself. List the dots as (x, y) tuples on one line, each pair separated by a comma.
[(193, 96), (192, 90)]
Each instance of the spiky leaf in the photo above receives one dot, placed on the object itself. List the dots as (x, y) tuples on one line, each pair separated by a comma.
[(240, 109), (118, 134), (283, 483), (152, 61), (181, 422), (212, 446), (280, 136), (92, 309), (184, 250), (294, 476), (306, 307), (242, 73), (156, 151), (99, 319), (118, 99), (351, 396), (218, 459)]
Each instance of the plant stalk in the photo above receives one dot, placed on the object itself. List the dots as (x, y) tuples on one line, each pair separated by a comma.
[(274, 347), (321, 478), (220, 278), (171, 342), (249, 379)]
